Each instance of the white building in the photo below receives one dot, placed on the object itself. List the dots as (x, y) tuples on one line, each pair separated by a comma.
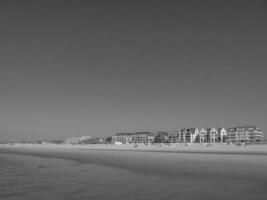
[(212, 135), (222, 135), (249, 134), (203, 135), (188, 135)]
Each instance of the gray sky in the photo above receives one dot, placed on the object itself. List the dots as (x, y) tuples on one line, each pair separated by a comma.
[(76, 68)]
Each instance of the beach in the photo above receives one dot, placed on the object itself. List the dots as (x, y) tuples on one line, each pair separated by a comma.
[(256, 149), (128, 172)]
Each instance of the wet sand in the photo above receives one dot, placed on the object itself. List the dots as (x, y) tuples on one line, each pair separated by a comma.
[(153, 174)]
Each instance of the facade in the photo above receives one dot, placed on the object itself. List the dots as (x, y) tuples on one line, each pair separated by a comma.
[(76, 140), (185, 135), (222, 135), (193, 134), (94, 140), (137, 137), (143, 137), (100, 140), (248, 134), (124, 138), (212, 135), (162, 137), (108, 140), (203, 135), (174, 137)]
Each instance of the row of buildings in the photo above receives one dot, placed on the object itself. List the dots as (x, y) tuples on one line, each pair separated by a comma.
[(245, 134)]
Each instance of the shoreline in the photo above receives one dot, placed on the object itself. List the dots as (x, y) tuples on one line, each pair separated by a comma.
[(155, 148)]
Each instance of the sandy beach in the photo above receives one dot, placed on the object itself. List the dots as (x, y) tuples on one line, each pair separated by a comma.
[(145, 173), (257, 149)]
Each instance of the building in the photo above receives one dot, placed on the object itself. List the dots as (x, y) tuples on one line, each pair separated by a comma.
[(185, 135), (247, 134), (89, 141), (137, 137), (143, 137), (124, 138), (222, 135), (174, 137), (162, 137), (188, 135), (76, 139), (108, 140), (212, 135), (203, 135)]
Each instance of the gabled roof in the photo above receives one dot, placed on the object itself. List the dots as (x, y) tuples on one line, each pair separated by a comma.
[(193, 129), (220, 129), (214, 129)]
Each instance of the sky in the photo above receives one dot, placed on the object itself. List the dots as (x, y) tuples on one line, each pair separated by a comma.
[(73, 68)]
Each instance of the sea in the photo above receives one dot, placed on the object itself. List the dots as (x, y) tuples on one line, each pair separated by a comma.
[(113, 175)]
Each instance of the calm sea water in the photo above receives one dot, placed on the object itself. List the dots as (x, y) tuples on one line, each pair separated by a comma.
[(131, 175)]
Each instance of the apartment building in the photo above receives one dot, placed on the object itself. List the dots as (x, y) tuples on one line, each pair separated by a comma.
[(174, 137), (185, 135), (162, 137), (124, 138), (143, 137), (248, 134)]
